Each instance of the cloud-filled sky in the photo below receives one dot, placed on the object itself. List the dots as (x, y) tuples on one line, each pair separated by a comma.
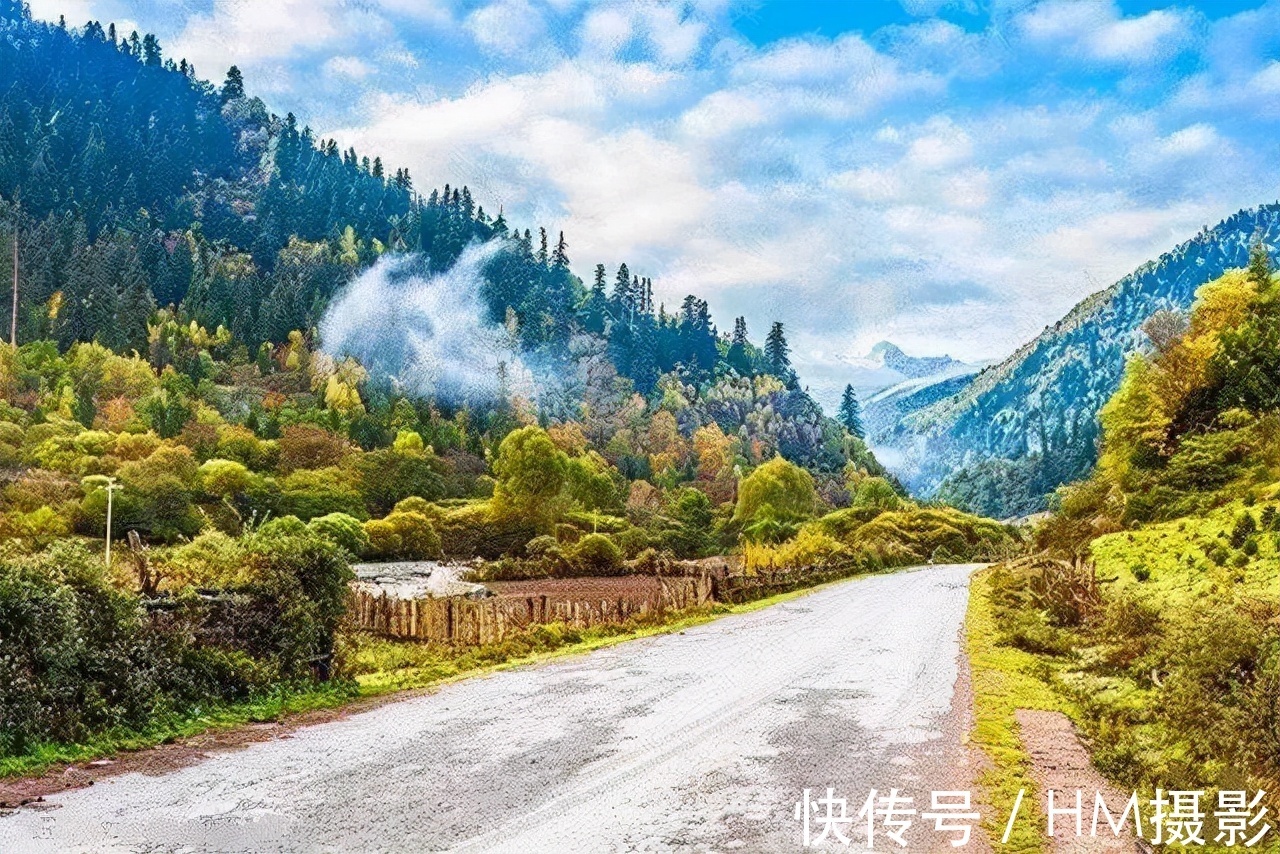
[(951, 175)]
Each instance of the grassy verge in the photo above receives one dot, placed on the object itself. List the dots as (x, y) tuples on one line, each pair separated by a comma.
[(380, 667), (1004, 679)]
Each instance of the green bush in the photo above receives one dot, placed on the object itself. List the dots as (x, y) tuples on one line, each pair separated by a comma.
[(391, 475), (531, 471), (70, 643), (81, 656), (876, 493), (418, 504), (299, 593), (307, 494), (282, 526), (403, 536), (474, 530), (775, 496), (343, 531), (595, 554)]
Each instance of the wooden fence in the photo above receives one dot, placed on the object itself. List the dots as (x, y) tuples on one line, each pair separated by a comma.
[(471, 622)]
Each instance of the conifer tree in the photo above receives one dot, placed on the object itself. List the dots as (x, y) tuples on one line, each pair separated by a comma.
[(233, 86), (738, 357), (560, 257), (850, 414), (622, 289), (777, 354), (1260, 265)]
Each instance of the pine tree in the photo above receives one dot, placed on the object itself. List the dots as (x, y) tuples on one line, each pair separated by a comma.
[(594, 310), (560, 257), (622, 289), (542, 247), (233, 86), (777, 354), (738, 357), (1260, 266), (850, 414)]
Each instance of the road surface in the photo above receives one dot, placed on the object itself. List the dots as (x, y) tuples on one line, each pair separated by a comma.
[(698, 741)]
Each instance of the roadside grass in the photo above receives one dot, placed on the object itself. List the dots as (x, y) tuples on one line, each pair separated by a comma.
[(376, 667), (1186, 600), (269, 707), (1005, 679)]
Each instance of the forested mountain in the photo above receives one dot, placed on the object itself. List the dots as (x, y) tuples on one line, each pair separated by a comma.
[(133, 185), (1023, 427)]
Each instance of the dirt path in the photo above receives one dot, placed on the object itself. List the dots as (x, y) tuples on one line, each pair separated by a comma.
[(1060, 762), (697, 741)]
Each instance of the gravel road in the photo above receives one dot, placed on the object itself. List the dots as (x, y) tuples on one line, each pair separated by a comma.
[(698, 741)]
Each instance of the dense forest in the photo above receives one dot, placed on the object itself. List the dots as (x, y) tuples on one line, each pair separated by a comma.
[(133, 185)]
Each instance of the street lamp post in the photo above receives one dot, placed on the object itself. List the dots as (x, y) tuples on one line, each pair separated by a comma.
[(110, 487)]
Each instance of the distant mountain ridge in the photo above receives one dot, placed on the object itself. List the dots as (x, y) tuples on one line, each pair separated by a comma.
[(1039, 407), (914, 367)]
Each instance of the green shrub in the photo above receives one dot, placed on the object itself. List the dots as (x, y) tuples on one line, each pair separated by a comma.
[(224, 478), (1245, 526), (390, 475), (282, 526), (70, 645), (773, 496), (531, 472), (596, 554), (343, 531), (307, 494), (299, 592), (876, 493), (403, 536), (633, 541), (474, 530), (596, 523)]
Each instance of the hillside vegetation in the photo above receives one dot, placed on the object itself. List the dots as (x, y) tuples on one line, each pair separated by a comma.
[(1155, 610), (1002, 444)]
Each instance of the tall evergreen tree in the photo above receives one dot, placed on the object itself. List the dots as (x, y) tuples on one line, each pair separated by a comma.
[(738, 357), (560, 257), (850, 414), (777, 354), (622, 291), (233, 86), (1260, 266)]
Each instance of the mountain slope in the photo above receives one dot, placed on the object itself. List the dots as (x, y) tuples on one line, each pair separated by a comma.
[(1039, 407)]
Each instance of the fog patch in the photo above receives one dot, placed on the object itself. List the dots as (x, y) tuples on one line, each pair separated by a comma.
[(427, 333)]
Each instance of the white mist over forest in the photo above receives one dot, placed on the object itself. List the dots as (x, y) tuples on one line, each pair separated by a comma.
[(427, 332)]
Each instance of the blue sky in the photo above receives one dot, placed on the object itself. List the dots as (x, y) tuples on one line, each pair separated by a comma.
[(952, 175)]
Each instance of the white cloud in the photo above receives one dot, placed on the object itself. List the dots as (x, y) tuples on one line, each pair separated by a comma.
[(1267, 80), (670, 36), (352, 67), (434, 12), (506, 27), (1094, 29), (255, 34), (942, 147), (1189, 141)]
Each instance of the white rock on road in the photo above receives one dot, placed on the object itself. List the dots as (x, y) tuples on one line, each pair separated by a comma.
[(698, 741)]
